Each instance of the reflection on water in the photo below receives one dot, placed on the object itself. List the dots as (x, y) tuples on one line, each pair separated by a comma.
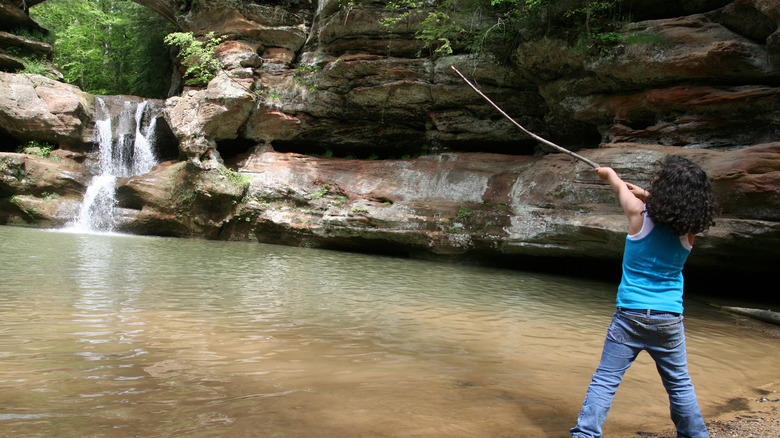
[(112, 335)]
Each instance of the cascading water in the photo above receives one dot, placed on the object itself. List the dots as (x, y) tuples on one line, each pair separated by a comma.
[(124, 153)]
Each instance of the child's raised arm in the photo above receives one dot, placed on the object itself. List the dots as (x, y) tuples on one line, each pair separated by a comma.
[(631, 197)]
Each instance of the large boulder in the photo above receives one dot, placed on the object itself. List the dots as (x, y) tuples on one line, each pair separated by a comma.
[(34, 107), (40, 191), (180, 199), (199, 118)]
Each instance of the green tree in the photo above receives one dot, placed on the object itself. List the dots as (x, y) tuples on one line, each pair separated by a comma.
[(108, 46), (475, 26)]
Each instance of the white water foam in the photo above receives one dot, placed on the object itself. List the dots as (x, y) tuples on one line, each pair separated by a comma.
[(131, 154)]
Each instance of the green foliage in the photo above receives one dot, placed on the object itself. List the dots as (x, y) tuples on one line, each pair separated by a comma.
[(32, 64), (350, 3), (108, 46), (438, 26), (37, 67), (46, 196), (498, 208), (401, 10), (478, 26), (234, 177), (271, 94), (30, 34), (36, 149), (596, 20), (437, 30), (469, 26), (304, 75), (341, 199), (320, 193), (197, 56)]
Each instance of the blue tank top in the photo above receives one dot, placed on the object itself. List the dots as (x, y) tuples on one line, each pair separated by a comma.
[(653, 260)]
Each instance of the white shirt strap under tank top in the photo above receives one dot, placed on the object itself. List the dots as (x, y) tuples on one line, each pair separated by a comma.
[(647, 227)]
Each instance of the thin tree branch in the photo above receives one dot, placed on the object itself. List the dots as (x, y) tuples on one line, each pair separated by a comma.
[(547, 142)]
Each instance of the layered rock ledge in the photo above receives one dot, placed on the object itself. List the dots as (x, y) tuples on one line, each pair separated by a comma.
[(300, 138)]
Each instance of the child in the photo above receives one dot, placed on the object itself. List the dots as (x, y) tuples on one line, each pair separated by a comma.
[(661, 228)]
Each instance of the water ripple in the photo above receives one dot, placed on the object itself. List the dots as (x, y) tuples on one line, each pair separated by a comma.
[(141, 336)]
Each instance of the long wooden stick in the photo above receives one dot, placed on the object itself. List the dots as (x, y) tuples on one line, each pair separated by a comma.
[(547, 142)]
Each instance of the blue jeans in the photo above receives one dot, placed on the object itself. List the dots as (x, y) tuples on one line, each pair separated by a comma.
[(663, 337)]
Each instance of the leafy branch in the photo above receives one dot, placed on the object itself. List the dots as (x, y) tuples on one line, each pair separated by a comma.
[(197, 56)]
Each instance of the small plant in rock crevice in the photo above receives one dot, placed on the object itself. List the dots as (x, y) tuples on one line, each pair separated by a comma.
[(304, 75), (321, 192), (234, 177), (463, 213)]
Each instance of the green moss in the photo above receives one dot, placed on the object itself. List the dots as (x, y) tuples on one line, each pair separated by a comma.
[(233, 177)]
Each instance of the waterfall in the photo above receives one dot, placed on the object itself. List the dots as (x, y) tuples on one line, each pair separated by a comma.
[(123, 151)]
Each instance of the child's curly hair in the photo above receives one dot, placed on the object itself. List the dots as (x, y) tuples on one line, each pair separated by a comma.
[(681, 197)]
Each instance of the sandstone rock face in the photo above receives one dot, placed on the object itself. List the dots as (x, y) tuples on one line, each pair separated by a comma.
[(324, 79), (14, 48), (454, 205), (40, 191), (338, 78), (299, 139), (180, 199), (200, 118), (680, 76), (690, 116), (34, 107), (14, 16)]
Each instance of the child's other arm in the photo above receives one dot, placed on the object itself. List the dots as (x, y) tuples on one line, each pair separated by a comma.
[(639, 192), (631, 204)]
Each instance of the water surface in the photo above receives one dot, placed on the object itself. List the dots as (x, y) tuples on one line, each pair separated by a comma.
[(111, 335)]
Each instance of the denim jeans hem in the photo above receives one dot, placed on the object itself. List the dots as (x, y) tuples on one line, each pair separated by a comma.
[(662, 335)]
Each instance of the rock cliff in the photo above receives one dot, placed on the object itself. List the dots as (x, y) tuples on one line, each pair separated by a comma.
[(325, 129)]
